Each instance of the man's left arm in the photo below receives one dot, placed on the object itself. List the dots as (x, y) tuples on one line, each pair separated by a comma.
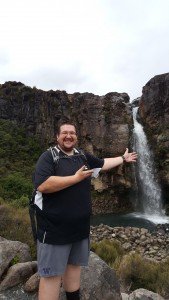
[(113, 162)]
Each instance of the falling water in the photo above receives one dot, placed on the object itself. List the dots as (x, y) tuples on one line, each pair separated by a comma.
[(149, 192)]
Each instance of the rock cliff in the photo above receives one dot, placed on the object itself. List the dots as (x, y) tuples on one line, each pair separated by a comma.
[(104, 126), (154, 114)]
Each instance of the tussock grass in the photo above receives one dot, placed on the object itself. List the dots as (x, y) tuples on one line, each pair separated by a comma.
[(133, 270), (109, 251), (15, 225)]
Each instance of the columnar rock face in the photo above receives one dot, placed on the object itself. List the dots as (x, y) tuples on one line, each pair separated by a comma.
[(154, 114), (104, 125)]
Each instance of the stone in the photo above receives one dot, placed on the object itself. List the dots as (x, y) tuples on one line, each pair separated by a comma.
[(99, 281), (17, 274), (10, 250), (124, 296), (143, 294), (127, 246), (143, 238), (17, 293), (144, 231), (32, 283)]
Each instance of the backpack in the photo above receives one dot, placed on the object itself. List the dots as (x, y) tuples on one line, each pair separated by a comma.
[(32, 208)]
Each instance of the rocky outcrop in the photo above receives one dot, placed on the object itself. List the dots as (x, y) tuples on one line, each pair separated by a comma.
[(104, 125), (154, 114)]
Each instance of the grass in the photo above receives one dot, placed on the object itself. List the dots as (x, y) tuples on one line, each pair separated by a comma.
[(15, 225), (133, 270)]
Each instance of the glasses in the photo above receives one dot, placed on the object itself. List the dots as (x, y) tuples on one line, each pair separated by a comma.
[(72, 133)]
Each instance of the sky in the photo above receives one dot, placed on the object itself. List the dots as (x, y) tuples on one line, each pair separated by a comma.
[(96, 46)]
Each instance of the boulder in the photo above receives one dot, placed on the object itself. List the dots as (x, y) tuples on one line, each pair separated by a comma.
[(17, 274), (99, 281), (142, 294), (124, 296), (32, 283), (12, 250)]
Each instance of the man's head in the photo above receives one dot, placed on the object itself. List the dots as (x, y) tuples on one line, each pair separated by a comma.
[(66, 136)]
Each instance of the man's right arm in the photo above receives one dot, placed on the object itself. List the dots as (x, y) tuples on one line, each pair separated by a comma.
[(58, 183)]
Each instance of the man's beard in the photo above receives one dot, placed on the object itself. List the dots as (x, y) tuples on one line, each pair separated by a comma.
[(66, 148)]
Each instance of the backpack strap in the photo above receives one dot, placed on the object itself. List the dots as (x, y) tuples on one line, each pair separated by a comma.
[(55, 154), (32, 214), (81, 153)]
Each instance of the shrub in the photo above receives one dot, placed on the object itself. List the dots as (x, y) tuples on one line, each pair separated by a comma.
[(23, 201), (109, 251), (136, 272), (162, 286), (16, 185)]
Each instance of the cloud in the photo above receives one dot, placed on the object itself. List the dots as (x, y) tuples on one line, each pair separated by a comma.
[(56, 78), (4, 59), (95, 46)]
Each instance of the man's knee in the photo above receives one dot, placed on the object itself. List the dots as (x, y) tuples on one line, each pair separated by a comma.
[(49, 288), (71, 279), (51, 279)]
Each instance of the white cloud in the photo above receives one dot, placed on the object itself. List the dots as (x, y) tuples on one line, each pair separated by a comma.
[(96, 46)]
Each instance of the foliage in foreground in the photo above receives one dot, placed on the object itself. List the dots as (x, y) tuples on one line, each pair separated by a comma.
[(133, 270)]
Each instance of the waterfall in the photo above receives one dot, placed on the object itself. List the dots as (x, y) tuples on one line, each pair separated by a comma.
[(149, 192)]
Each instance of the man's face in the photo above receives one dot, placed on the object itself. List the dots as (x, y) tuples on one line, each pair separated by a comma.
[(67, 137)]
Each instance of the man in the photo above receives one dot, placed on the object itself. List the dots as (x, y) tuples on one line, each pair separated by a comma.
[(63, 213)]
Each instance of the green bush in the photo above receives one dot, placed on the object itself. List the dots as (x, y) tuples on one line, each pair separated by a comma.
[(22, 202), (18, 155), (15, 185)]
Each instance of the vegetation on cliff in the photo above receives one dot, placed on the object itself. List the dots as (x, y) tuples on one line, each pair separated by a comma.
[(18, 156)]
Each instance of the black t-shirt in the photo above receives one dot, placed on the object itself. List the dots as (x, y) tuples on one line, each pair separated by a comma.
[(64, 216)]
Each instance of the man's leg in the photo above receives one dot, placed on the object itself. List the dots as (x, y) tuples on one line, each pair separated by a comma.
[(78, 257), (49, 288), (71, 278), (71, 282)]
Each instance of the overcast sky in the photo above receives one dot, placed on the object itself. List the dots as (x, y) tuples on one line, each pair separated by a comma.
[(96, 46)]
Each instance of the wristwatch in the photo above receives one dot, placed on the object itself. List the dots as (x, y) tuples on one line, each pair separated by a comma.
[(123, 158)]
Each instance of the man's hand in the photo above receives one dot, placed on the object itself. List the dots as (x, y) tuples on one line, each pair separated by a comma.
[(58, 183), (130, 157), (81, 174)]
